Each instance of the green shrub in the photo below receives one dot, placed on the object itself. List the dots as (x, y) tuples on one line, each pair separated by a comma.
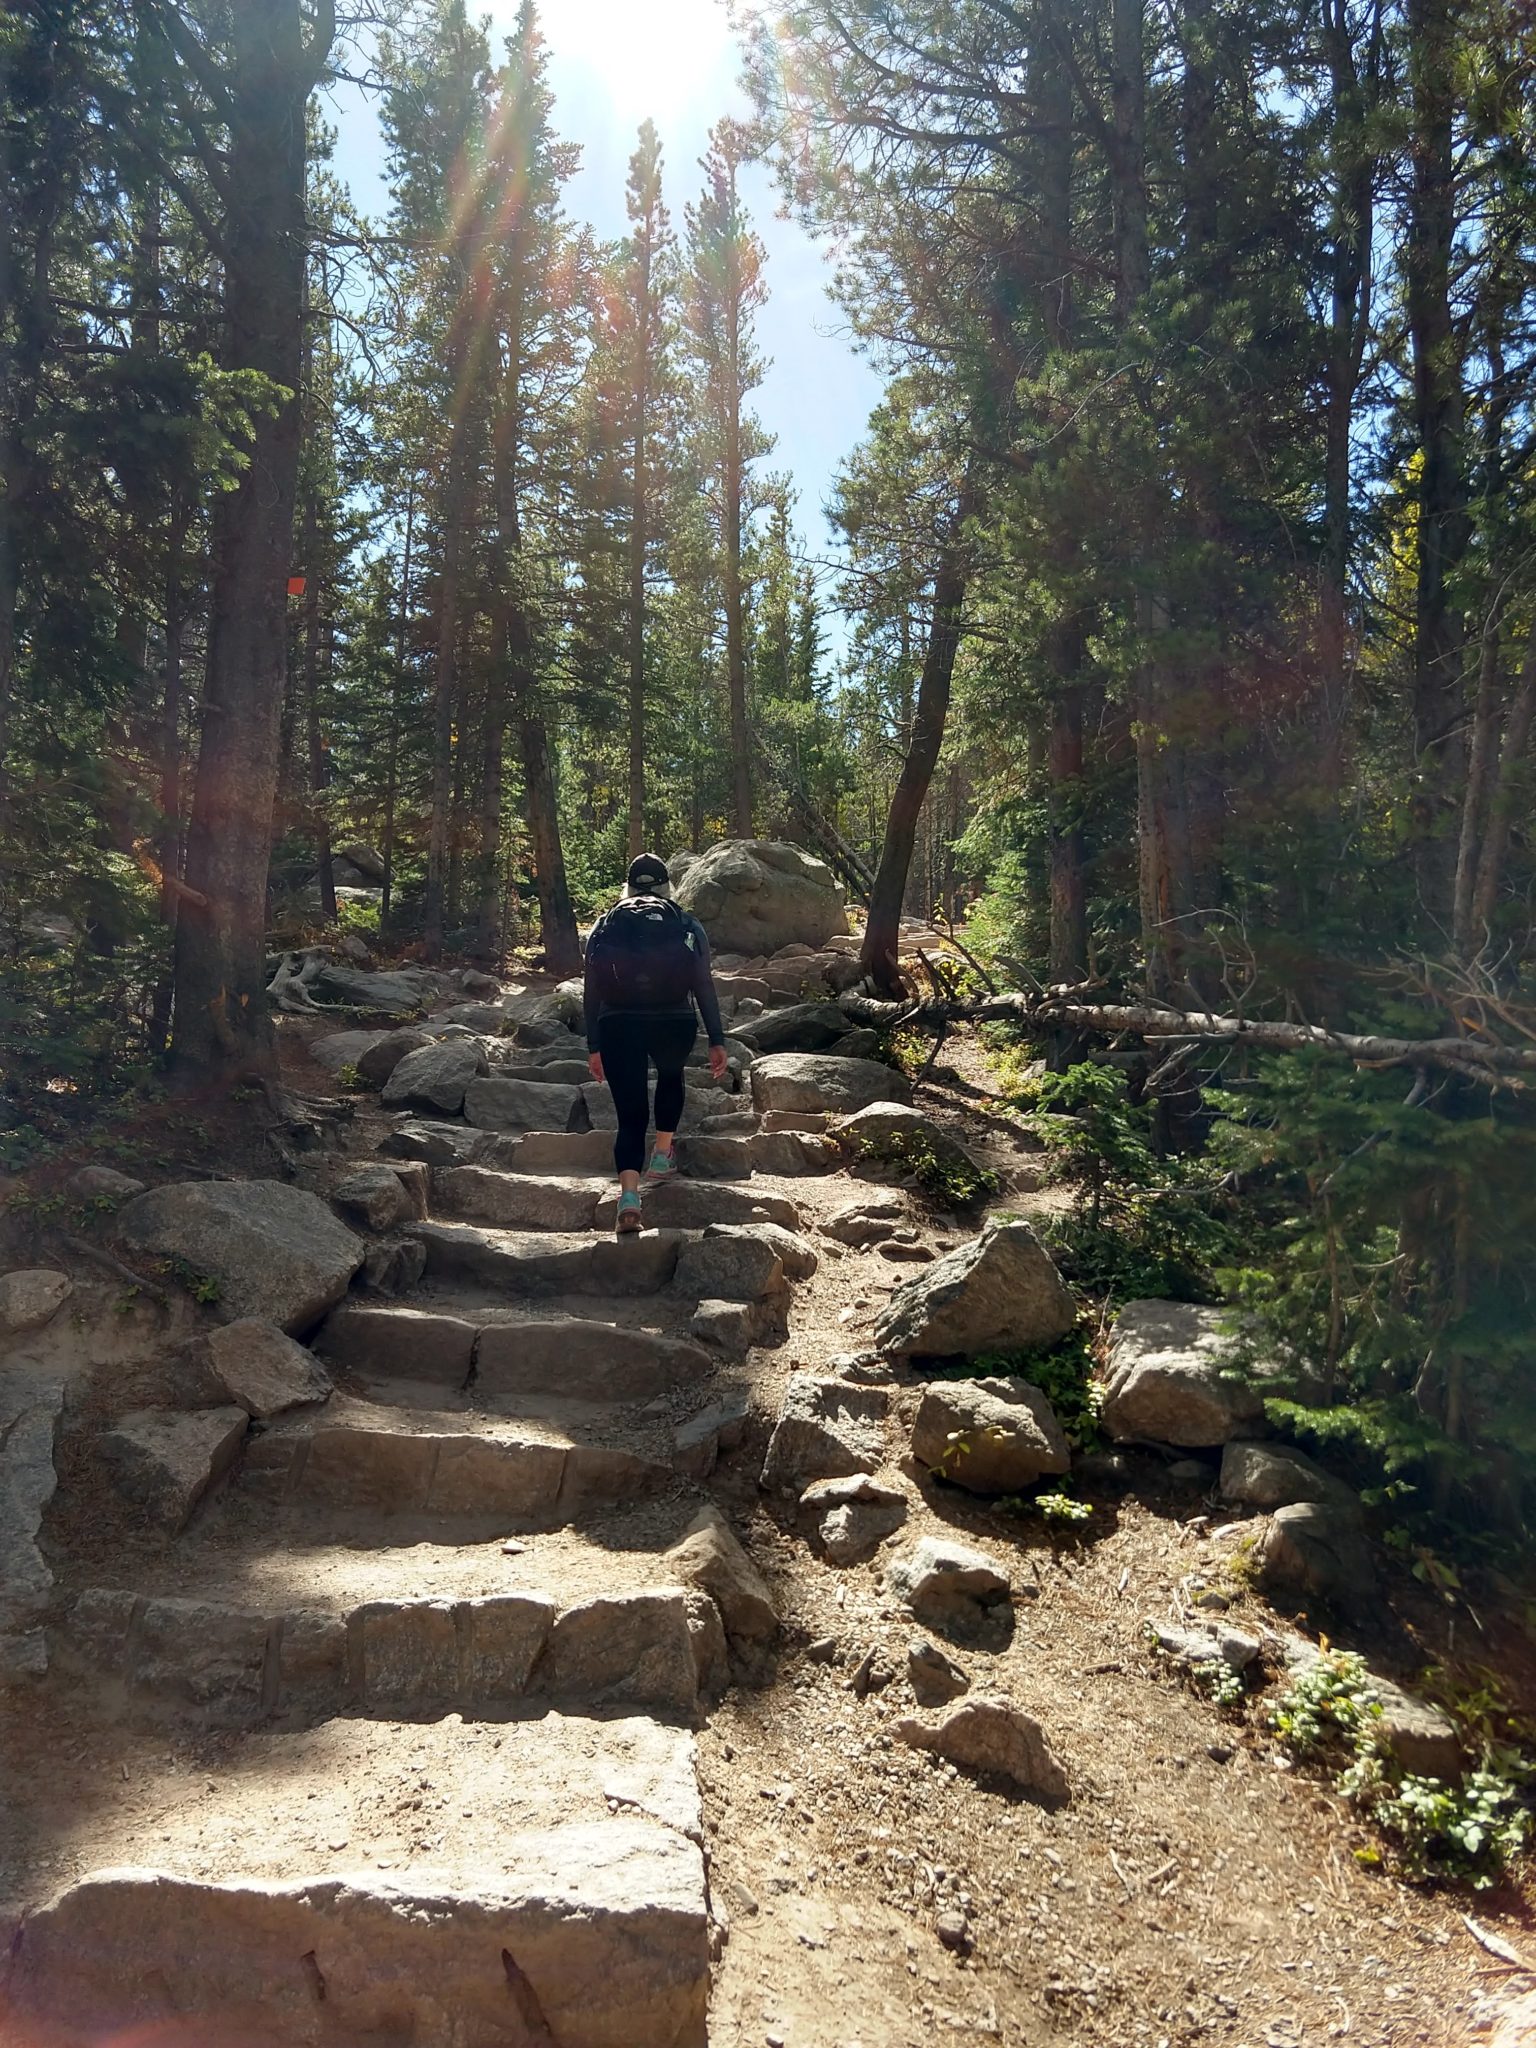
[(954, 1180), (1469, 1832), (1063, 1372)]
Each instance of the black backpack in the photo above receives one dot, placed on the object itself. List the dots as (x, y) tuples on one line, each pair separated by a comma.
[(642, 956)]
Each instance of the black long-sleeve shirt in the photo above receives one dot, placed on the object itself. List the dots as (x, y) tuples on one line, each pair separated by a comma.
[(702, 993)]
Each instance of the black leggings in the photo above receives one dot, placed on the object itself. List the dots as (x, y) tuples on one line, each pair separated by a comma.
[(628, 1043)]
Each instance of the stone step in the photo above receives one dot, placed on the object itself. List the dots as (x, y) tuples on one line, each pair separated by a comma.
[(450, 1885), (524, 1201), (549, 1262), (510, 1358), (448, 1470), (591, 1152), (400, 1658), (694, 1205)]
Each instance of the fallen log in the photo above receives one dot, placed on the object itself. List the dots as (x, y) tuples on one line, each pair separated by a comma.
[(1150, 1022)]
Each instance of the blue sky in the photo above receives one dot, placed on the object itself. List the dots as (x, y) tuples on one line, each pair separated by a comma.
[(612, 63)]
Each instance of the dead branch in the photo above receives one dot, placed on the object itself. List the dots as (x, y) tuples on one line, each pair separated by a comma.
[(1156, 1026), (100, 1256)]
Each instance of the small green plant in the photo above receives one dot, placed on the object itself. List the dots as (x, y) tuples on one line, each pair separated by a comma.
[(1062, 1508), (347, 1076), (1328, 1703), (949, 1176), (1468, 1832), (1063, 1372), (1219, 1682), (957, 1445), (202, 1287)]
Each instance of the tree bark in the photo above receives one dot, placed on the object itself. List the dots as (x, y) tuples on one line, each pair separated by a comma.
[(221, 1019), (878, 955), (1505, 803), (557, 915), (1481, 760), (325, 873), (1444, 526), (638, 541), (392, 736), (1353, 209), (1069, 897), (735, 633), (446, 688)]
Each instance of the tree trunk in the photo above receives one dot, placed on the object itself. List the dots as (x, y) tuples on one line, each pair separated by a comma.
[(446, 692), (1353, 201), (1509, 798), (1444, 527), (879, 953), (169, 848), (735, 636), (392, 736), (221, 1020), (638, 538), (1465, 936), (1069, 901), (557, 915), (314, 740)]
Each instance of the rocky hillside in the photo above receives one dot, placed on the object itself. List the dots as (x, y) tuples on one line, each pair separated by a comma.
[(429, 1619)]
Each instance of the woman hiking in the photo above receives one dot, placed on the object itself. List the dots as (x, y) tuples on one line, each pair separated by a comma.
[(647, 969)]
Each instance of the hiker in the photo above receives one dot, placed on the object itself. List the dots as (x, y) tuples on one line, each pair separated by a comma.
[(647, 968)]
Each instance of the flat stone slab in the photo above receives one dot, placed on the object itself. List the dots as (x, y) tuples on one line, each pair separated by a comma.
[(163, 1461), (716, 1155), (340, 1049), (587, 1361), (398, 1343), (497, 1105), (583, 1922), (399, 992), (696, 1205), (272, 1251), (449, 1471), (437, 1144), (472, 1656), (435, 1076), (517, 1201), (550, 1264), (556, 1152), (790, 1154)]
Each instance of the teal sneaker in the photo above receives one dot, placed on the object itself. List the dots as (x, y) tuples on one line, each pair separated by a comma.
[(663, 1166), (629, 1217)]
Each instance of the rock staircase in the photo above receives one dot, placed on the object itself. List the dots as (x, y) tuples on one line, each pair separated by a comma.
[(449, 1635)]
